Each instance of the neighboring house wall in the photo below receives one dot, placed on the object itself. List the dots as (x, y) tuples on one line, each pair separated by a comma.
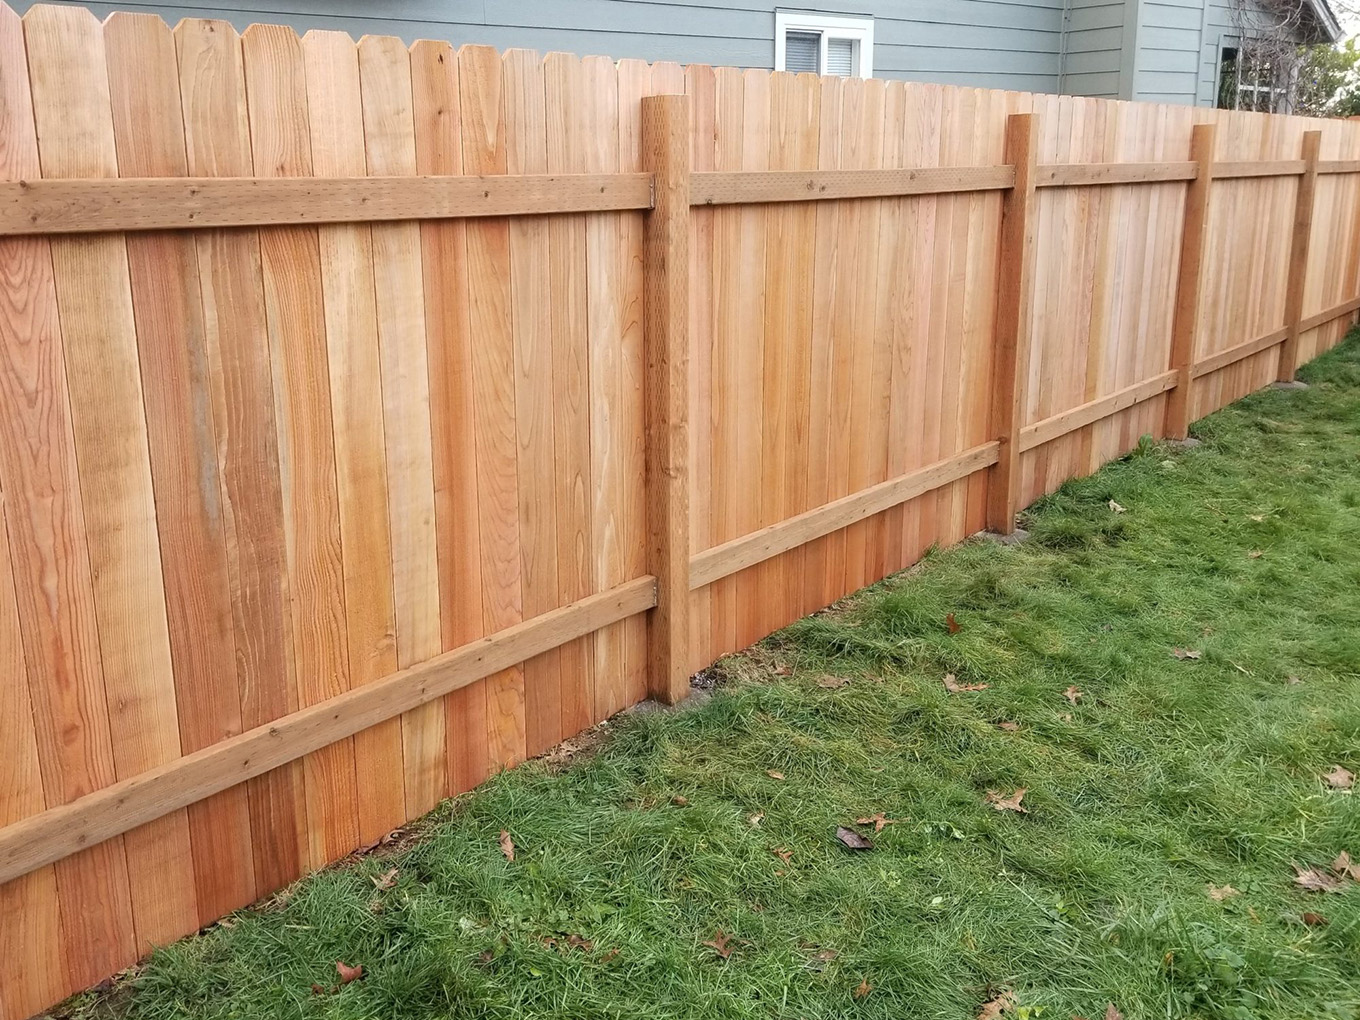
[(988, 43), (1167, 56), (1094, 48)]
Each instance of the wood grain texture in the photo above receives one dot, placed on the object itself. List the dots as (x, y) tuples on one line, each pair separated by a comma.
[(335, 116), (167, 307), (75, 139), (390, 148), (231, 292), (439, 149), (295, 323), (81, 207), (45, 528), (525, 91)]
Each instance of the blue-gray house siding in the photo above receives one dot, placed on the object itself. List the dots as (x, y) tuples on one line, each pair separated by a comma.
[(1159, 50), (1010, 44)]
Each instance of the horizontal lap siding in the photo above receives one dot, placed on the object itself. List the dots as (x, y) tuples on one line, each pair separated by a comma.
[(1092, 53), (983, 43)]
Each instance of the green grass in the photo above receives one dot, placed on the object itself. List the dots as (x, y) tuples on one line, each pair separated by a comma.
[(1169, 775)]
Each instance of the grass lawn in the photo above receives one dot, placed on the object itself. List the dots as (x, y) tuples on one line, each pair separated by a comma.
[(690, 866)]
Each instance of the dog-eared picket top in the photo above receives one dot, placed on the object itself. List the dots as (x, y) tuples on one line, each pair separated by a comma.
[(374, 417)]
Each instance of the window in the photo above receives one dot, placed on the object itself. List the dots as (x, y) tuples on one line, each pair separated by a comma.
[(824, 43)]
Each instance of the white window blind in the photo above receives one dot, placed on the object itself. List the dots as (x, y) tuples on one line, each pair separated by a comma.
[(802, 52), (840, 57), (837, 44)]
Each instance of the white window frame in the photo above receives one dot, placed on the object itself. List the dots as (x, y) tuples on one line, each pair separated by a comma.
[(828, 26)]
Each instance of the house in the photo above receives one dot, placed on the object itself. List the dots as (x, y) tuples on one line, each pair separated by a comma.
[(1173, 51)]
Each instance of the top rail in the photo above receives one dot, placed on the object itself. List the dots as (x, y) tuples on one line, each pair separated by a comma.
[(751, 187), (74, 206)]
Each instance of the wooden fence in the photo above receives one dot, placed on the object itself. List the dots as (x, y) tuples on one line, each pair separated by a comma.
[(373, 418)]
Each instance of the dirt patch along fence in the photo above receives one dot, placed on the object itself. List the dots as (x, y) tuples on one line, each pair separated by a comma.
[(374, 417)]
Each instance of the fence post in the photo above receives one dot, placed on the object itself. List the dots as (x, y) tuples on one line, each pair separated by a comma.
[(1015, 294), (1298, 255), (1185, 324), (666, 154)]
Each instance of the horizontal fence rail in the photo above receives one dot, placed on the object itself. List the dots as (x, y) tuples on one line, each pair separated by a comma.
[(374, 417)]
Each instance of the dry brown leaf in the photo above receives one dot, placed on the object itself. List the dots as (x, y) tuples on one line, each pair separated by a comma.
[(782, 854), (1344, 867), (993, 1009), (1340, 778), (820, 960), (1009, 727), (1313, 920), (507, 846), (952, 624), (720, 945), (1222, 892), (1315, 880), (1116, 507), (1185, 653), (317, 989), (1011, 803), (832, 682), (755, 819), (862, 989), (1293, 680), (680, 801), (386, 880), (952, 685), (1255, 554), (1111, 1013), (853, 839), (1072, 694), (876, 820), (348, 973), (774, 774), (1258, 518), (782, 670), (1066, 717)]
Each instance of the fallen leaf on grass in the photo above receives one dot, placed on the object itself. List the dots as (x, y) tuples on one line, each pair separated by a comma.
[(317, 989), (862, 989), (348, 973), (1340, 778), (820, 960), (852, 839), (1222, 892), (1255, 554), (1111, 1013), (393, 835), (1116, 507), (783, 671), (720, 945), (755, 819), (876, 820), (1313, 920), (1185, 653), (952, 685), (680, 801), (1258, 518), (832, 682), (386, 880), (1072, 694), (1316, 880), (1345, 867), (782, 854), (952, 624), (507, 846), (993, 1009), (774, 774), (1293, 680), (1009, 727), (1011, 803)]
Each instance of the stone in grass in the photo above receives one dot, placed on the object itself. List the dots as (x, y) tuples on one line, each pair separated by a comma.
[(1188, 443), (1292, 384), (1014, 538)]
